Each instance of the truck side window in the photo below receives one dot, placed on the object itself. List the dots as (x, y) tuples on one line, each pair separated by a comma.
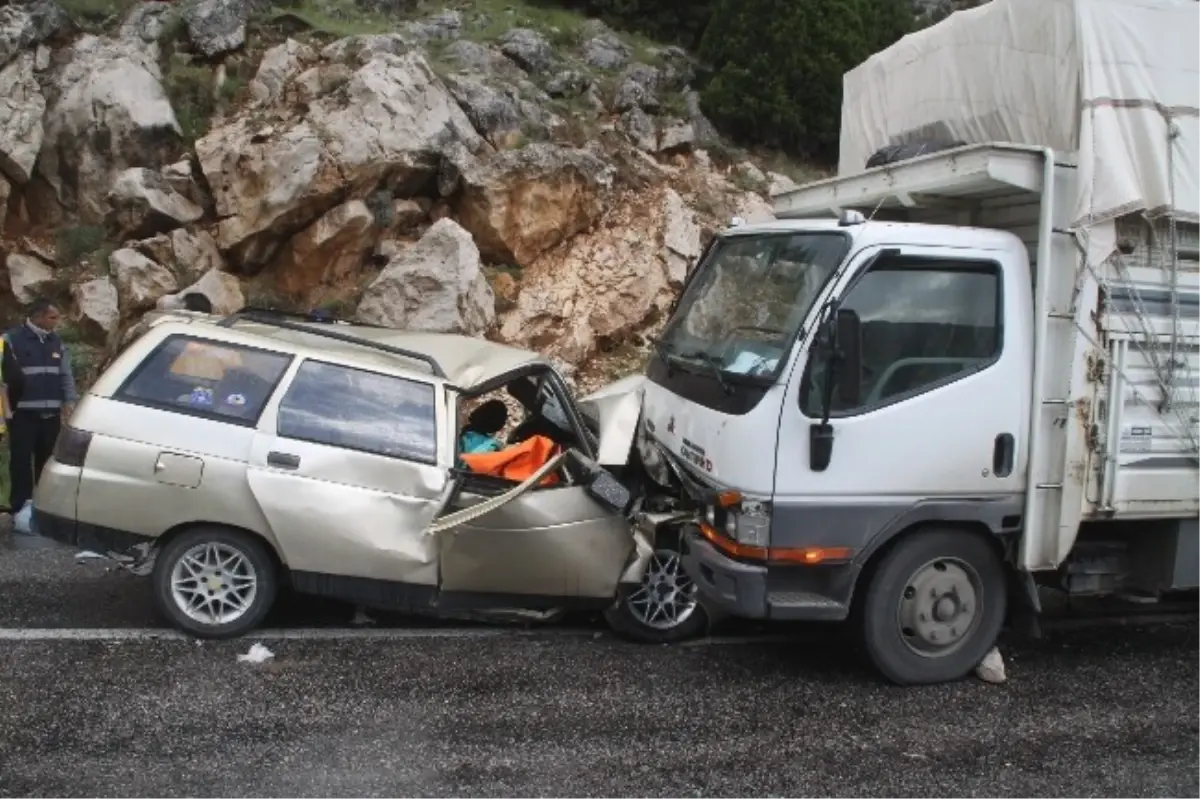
[(925, 323), (365, 411)]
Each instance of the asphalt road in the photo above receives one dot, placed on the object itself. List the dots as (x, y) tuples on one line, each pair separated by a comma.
[(562, 711)]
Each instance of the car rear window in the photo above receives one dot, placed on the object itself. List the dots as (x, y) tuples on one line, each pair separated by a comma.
[(212, 379), (360, 410)]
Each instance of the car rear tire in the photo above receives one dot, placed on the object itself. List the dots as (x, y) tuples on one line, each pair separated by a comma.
[(665, 607), (214, 582), (933, 607)]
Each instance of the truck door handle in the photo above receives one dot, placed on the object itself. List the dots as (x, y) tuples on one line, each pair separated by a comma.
[(284, 460), (1002, 455)]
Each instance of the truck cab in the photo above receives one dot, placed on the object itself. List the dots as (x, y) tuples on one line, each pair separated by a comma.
[(808, 360)]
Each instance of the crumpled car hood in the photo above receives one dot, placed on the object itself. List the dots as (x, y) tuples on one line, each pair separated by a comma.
[(616, 409)]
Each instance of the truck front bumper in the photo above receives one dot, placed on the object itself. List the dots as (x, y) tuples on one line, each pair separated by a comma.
[(756, 591)]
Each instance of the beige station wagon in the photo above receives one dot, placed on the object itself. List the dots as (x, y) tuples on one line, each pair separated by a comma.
[(228, 458)]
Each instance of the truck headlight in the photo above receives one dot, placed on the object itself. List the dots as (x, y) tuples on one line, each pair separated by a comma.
[(747, 522)]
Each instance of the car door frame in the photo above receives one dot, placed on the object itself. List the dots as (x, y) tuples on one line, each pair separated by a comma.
[(597, 544)]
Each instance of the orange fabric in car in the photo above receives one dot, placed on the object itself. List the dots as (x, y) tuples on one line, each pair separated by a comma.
[(517, 462)]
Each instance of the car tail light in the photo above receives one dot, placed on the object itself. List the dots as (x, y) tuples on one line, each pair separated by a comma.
[(72, 446)]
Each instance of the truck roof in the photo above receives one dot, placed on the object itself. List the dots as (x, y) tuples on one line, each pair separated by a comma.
[(878, 232)]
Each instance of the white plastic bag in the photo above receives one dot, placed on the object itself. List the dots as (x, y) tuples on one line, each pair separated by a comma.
[(23, 521), (257, 654)]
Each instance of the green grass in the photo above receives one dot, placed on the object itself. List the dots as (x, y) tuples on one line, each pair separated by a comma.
[(335, 18), (96, 16), (74, 243)]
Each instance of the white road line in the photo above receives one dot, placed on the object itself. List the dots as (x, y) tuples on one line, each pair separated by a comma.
[(299, 634), (341, 634)]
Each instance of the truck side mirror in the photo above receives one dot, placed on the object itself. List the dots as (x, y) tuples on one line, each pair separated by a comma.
[(849, 348)]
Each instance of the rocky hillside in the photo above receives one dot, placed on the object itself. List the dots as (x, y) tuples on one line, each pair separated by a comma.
[(489, 168)]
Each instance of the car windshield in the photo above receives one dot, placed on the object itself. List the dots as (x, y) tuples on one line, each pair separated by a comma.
[(753, 291)]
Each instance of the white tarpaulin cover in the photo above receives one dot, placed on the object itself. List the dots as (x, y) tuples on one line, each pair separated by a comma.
[(1108, 79)]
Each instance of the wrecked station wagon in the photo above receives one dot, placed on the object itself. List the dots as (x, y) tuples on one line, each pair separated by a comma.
[(227, 458)]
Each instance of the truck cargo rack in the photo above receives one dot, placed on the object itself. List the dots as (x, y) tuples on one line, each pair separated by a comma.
[(972, 173), (314, 324)]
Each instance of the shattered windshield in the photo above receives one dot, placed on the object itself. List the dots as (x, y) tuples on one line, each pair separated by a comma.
[(742, 309)]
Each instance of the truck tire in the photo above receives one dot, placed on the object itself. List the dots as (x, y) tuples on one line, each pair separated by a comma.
[(665, 607), (933, 607), (213, 582)]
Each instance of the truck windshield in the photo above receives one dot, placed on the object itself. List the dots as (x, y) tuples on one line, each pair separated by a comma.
[(741, 310)]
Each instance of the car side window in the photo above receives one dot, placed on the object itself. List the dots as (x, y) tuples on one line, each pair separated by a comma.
[(213, 379), (356, 409), (924, 323)]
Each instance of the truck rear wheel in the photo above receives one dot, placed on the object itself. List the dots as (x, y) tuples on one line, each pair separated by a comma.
[(933, 607)]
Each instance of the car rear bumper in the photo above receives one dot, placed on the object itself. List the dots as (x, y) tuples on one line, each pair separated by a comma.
[(83, 536), (752, 591)]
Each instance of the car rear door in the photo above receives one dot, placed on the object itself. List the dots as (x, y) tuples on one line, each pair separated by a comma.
[(350, 469)]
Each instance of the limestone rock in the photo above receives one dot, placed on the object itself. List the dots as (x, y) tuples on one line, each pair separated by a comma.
[(529, 49), (604, 283), (778, 184), (442, 26), (359, 50), (752, 208), (26, 275), (190, 253), (639, 127), (144, 203), (703, 129), (568, 83), (216, 26), (606, 51), (97, 306), (681, 237), (222, 289), (991, 668), (479, 59), (391, 124), (495, 114), (434, 286), (638, 88), (23, 25), (5, 192), (504, 287), (109, 113), (140, 281), (676, 136), (277, 67), (330, 249), (523, 202), (21, 107)]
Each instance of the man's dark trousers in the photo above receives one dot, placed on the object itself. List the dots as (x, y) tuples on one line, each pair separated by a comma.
[(31, 437)]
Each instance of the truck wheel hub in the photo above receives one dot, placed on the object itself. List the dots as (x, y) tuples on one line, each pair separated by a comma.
[(937, 611)]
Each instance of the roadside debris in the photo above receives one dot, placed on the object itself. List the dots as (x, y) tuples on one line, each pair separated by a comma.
[(991, 668), (257, 654), (86, 555)]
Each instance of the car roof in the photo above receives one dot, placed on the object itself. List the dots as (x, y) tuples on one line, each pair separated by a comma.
[(463, 361)]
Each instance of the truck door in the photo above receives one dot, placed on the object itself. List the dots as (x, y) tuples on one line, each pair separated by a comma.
[(938, 429)]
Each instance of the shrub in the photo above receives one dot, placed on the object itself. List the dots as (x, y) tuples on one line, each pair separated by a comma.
[(776, 66)]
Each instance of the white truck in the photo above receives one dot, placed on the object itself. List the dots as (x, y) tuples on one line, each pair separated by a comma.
[(929, 387)]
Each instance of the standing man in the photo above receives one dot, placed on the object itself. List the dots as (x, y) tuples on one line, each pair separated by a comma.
[(36, 371)]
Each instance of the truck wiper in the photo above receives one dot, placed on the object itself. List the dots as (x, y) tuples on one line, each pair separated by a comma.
[(663, 353), (713, 363)]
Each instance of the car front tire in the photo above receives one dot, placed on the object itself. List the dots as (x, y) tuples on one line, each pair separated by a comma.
[(665, 607), (215, 583)]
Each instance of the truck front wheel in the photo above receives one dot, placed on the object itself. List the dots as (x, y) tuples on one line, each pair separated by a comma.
[(933, 607)]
